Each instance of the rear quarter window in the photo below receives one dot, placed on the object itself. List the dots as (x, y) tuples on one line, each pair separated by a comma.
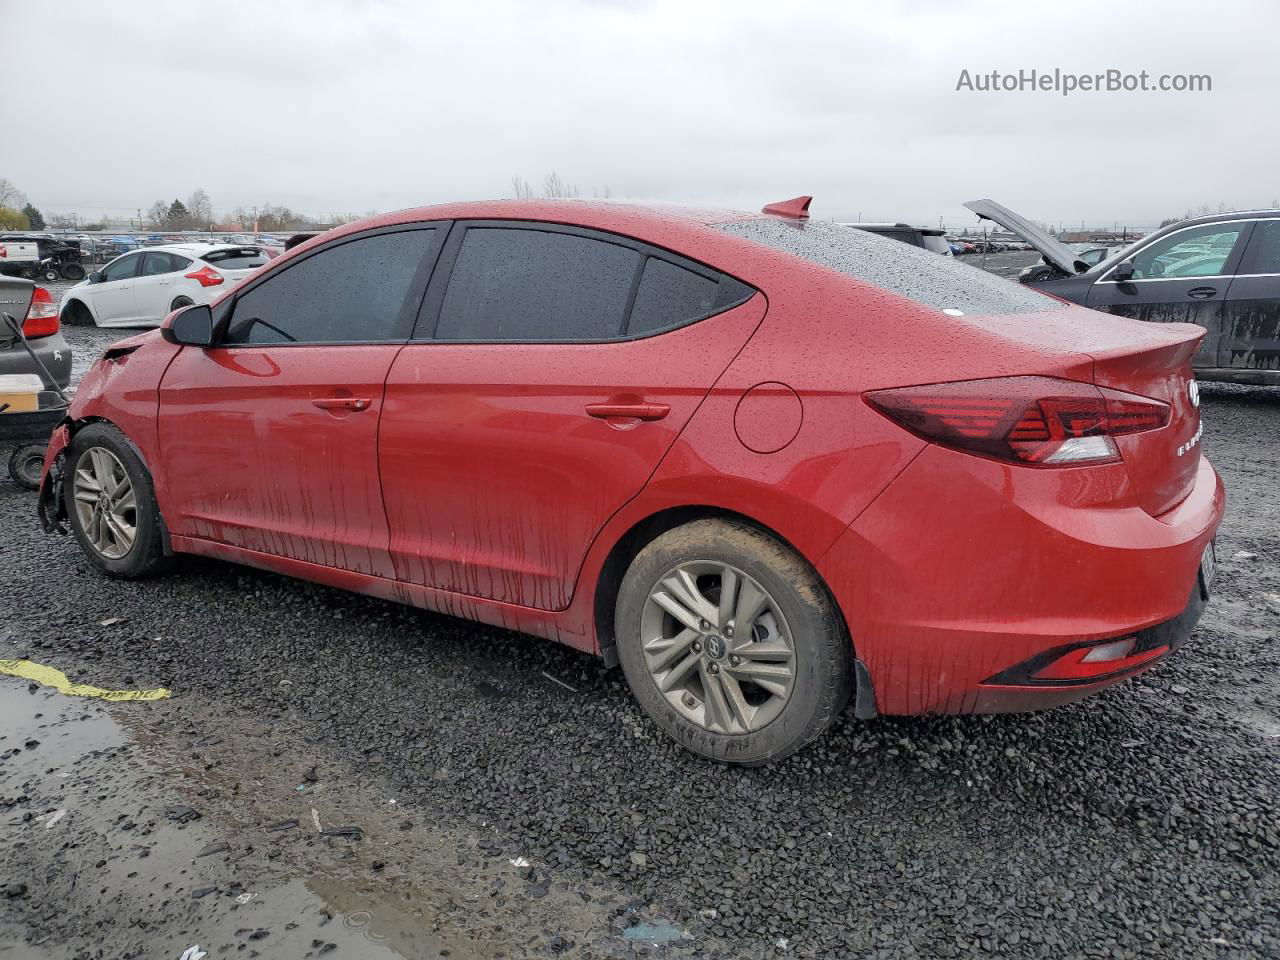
[(943, 283)]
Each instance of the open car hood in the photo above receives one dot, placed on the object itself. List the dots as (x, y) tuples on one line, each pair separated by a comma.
[(1054, 251)]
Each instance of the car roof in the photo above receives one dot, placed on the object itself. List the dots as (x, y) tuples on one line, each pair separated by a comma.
[(1217, 218), (663, 224)]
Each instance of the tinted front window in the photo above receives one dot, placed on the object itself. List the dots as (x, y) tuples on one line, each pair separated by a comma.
[(354, 292), (122, 269), (1198, 252), (911, 272), (515, 284), (244, 258), (669, 295)]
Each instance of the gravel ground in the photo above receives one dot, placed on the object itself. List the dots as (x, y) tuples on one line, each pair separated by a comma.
[(1141, 822)]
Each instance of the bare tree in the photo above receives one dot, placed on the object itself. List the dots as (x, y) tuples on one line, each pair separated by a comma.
[(200, 208), (603, 193), (555, 188), (157, 213), (520, 187), (11, 196)]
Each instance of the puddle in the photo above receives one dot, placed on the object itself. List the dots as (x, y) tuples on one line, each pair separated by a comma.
[(164, 844)]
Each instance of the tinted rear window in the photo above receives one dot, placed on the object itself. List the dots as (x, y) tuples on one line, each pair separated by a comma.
[(669, 295), (243, 258), (510, 284), (911, 272)]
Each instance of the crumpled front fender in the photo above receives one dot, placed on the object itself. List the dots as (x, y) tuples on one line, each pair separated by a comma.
[(50, 505)]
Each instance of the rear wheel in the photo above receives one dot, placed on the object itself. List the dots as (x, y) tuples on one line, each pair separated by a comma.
[(111, 503), (731, 643), (179, 303)]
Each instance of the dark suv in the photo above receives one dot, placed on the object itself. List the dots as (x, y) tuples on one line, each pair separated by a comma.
[(1220, 271)]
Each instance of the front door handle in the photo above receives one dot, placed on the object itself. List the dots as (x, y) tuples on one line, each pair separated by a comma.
[(635, 411), (341, 403), (1202, 293)]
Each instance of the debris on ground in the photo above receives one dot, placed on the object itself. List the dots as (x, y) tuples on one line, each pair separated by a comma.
[(182, 813), (659, 932), (560, 682), (50, 677)]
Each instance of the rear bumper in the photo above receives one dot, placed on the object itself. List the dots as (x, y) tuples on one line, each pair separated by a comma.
[(964, 570), (53, 351)]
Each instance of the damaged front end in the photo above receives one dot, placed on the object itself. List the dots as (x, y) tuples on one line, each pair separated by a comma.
[(52, 506)]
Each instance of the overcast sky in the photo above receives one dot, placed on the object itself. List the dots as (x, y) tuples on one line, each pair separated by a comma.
[(326, 106)]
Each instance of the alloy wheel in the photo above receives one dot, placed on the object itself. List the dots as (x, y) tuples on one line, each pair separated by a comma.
[(718, 647), (105, 503)]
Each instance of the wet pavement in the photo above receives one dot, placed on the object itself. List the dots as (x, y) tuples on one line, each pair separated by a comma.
[(1141, 822)]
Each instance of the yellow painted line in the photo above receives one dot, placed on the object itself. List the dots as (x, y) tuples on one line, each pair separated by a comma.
[(49, 677)]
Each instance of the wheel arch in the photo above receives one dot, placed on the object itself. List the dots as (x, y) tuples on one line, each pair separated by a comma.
[(641, 534), (74, 426), (76, 303)]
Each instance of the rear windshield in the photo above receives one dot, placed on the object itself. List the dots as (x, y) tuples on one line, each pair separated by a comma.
[(241, 258), (912, 272)]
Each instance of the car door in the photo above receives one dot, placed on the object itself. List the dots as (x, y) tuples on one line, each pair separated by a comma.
[(113, 299), (1181, 277), (153, 289), (1252, 340), (551, 370), (269, 439)]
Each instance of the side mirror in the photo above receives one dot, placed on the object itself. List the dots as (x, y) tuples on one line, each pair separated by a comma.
[(94, 277), (1124, 271), (190, 327)]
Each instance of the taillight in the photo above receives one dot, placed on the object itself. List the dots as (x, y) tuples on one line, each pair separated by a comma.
[(1037, 421), (42, 316), (207, 276)]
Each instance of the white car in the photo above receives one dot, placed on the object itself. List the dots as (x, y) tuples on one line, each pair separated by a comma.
[(140, 288)]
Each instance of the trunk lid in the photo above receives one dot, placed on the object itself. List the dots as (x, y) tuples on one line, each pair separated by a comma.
[(1054, 251), (1144, 359), (1161, 463)]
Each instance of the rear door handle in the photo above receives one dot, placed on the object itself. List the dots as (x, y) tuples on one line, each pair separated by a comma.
[(341, 403), (1202, 293), (636, 411)]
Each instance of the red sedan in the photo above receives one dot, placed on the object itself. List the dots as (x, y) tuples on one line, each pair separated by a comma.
[(765, 463)]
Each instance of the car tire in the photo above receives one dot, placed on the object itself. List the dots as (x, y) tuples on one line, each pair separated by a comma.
[(26, 464), (798, 645), (179, 303), (71, 270), (76, 314), (98, 455)]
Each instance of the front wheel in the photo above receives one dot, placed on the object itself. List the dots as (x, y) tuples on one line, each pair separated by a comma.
[(111, 503), (731, 642)]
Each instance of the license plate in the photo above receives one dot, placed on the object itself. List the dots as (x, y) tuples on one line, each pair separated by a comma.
[(1208, 567)]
